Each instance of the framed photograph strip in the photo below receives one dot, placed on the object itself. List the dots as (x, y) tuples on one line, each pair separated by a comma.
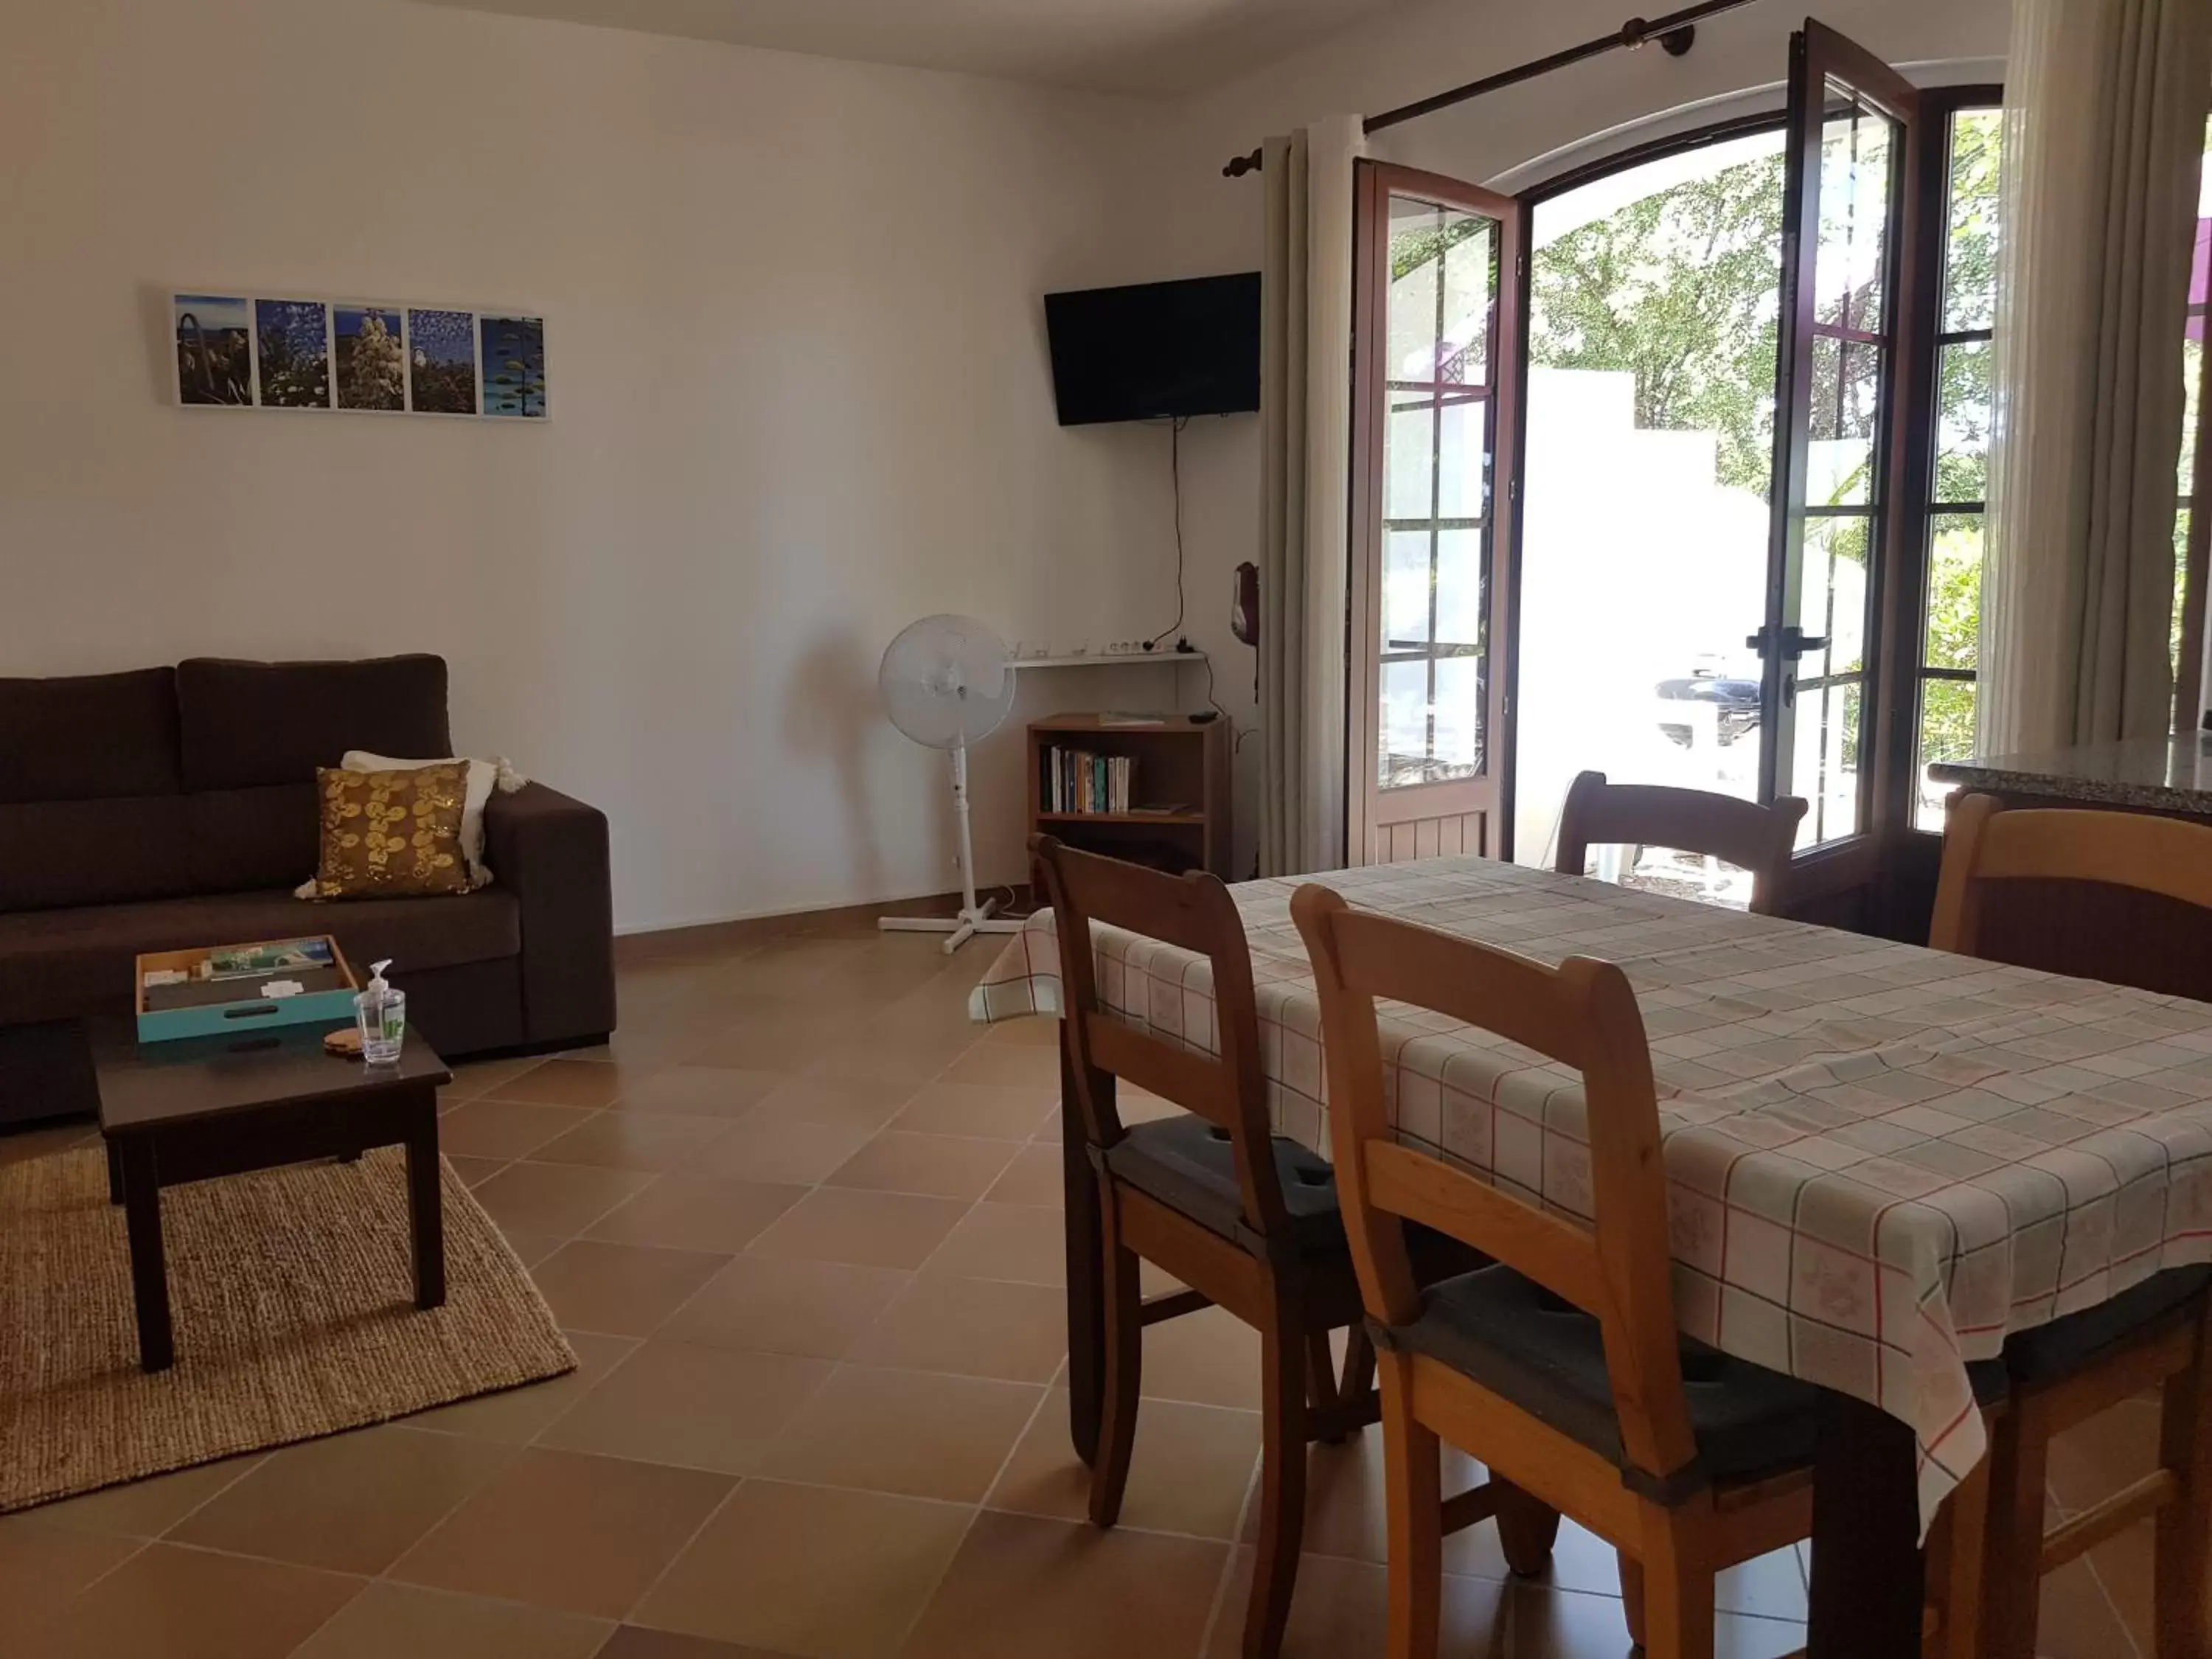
[(369, 357)]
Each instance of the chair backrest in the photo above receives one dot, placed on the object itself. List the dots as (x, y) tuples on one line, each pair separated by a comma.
[(1582, 1014), (1760, 839), (1983, 842), (1195, 913)]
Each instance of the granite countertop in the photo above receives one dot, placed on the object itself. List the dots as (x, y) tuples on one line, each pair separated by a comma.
[(2171, 774)]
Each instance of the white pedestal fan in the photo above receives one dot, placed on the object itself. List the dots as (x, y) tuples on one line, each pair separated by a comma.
[(947, 682)]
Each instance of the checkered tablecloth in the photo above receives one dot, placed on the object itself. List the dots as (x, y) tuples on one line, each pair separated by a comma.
[(1882, 1160)]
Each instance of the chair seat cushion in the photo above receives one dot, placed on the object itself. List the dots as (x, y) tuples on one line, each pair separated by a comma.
[(2067, 1345), (1190, 1165), (1514, 1338), (64, 964)]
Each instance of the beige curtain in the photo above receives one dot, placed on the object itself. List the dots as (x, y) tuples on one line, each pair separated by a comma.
[(2103, 130), (1305, 436)]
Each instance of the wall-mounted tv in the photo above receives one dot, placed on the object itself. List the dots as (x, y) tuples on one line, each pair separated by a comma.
[(1157, 349)]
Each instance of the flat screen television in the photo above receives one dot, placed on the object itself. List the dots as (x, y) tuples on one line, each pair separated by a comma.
[(1155, 350)]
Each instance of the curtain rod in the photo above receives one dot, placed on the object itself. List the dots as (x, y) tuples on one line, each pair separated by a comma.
[(1676, 33)]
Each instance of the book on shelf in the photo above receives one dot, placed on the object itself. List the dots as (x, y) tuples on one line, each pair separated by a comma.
[(1076, 780)]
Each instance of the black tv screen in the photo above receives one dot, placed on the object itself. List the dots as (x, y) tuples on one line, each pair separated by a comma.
[(1155, 350)]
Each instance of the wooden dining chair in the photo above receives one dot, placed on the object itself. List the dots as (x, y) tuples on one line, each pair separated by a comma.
[(2153, 1335), (1245, 1218), (1559, 1367), (1760, 839)]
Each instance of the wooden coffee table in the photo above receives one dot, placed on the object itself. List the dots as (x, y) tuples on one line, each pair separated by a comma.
[(203, 1107)]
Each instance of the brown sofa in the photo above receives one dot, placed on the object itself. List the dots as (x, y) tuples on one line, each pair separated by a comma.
[(170, 807)]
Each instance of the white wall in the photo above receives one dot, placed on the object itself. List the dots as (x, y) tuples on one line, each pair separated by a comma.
[(799, 389), (1503, 139), (798, 379)]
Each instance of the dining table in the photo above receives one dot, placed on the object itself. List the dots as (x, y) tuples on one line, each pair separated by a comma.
[(1882, 1160)]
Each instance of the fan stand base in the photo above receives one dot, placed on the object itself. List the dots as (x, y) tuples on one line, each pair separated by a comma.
[(973, 916), (972, 920)]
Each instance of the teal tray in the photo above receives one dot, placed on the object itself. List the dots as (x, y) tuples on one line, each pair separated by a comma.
[(233, 1007), (309, 1007)]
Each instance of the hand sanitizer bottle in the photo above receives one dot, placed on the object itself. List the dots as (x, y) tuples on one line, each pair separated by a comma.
[(382, 1012)]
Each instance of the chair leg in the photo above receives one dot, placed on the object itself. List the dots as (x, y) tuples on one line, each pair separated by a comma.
[(1631, 1596), (2185, 1525), (1678, 1593), (1526, 1529), (1284, 1368), (2012, 1547), (1358, 1366), (1320, 1375), (1125, 1352), (1413, 1479), (1955, 1547)]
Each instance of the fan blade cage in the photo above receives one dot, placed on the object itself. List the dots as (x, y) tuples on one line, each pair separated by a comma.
[(946, 681)]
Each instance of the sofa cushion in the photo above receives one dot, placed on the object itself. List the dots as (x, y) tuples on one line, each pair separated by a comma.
[(57, 853), (90, 736), (248, 724), (391, 834), (57, 964), (244, 839)]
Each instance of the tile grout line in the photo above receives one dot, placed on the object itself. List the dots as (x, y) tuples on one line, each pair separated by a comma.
[(976, 1509), (138, 1545), (739, 1483), (2112, 1606), (535, 1441), (364, 1580), (1229, 1567), (145, 1541), (383, 1574), (974, 1517), (811, 1186), (2104, 1590)]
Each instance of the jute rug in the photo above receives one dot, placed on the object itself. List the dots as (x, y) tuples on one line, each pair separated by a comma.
[(293, 1291)]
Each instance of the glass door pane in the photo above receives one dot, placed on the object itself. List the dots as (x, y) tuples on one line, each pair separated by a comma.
[(1435, 260), (1851, 129), (1442, 309), (1955, 487), (1654, 294)]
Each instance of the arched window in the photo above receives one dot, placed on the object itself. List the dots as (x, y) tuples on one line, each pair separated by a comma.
[(1674, 586), (1653, 316)]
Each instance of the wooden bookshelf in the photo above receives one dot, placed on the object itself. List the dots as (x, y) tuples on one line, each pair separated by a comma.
[(1179, 763)]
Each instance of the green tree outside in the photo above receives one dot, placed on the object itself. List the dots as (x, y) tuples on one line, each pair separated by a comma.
[(1680, 288)]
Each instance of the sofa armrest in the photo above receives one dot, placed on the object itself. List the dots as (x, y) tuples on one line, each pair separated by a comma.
[(550, 852)]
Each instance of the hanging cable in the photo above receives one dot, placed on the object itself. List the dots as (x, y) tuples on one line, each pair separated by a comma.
[(1174, 480)]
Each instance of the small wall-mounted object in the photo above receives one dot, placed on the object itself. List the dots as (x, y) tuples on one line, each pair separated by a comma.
[(239, 351), (1244, 603), (1106, 657)]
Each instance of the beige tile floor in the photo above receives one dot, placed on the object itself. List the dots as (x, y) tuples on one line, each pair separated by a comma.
[(800, 1220)]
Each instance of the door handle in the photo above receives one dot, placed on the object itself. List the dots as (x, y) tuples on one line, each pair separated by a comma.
[(1795, 642)]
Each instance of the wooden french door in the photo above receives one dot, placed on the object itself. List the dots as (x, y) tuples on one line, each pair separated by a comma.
[(1836, 669), (1435, 408)]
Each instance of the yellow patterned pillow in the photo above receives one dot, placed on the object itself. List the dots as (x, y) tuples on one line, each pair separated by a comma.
[(391, 834)]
